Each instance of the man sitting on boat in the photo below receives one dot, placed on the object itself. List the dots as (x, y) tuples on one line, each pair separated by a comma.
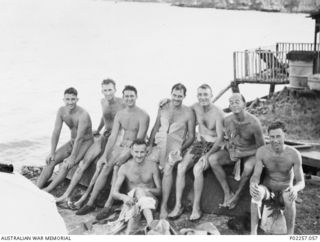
[(110, 106), (209, 139), (282, 165), (143, 180), (79, 122), (243, 137), (129, 124), (172, 133)]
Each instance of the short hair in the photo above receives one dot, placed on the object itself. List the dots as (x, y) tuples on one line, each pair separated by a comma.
[(205, 86), (108, 81), (242, 97), (179, 86), (130, 88), (277, 125), (139, 142), (71, 90)]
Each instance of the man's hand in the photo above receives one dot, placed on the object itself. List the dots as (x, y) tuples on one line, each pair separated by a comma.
[(96, 133), (293, 193), (254, 191), (163, 102), (50, 157), (128, 200), (70, 162)]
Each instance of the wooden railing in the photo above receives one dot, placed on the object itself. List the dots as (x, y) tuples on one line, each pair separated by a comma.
[(260, 66)]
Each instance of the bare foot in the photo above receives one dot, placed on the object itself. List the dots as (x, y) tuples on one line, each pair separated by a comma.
[(163, 213), (61, 199), (227, 198), (195, 215), (233, 202), (175, 212), (79, 203)]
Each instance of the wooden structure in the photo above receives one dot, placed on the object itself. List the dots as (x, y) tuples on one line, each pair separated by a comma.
[(316, 63)]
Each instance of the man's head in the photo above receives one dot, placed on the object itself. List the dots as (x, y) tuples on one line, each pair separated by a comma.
[(237, 103), (139, 150), (108, 88), (178, 93), (70, 98), (130, 95), (204, 95), (276, 131)]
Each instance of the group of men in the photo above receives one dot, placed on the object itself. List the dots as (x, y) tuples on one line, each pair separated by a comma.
[(147, 164)]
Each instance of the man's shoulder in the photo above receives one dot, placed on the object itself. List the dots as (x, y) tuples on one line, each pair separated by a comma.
[(292, 151), (143, 113)]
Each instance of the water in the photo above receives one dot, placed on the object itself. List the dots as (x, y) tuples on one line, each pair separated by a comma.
[(47, 46)]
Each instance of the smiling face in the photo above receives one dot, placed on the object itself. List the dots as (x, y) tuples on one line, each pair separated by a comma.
[(177, 97), (108, 90), (277, 138), (236, 103), (129, 98), (204, 96), (70, 101), (139, 152)]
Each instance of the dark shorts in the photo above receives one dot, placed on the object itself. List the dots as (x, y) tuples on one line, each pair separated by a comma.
[(200, 148)]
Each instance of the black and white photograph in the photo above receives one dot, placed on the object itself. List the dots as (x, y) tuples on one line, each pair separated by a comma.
[(159, 117)]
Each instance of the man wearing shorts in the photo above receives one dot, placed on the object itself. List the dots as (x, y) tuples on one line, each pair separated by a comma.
[(79, 123), (110, 106), (282, 165), (129, 124)]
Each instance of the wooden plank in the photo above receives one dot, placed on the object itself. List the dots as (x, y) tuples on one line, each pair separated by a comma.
[(311, 158)]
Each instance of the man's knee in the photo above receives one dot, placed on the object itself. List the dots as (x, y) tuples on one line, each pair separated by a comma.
[(182, 169), (167, 169), (213, 160), (249, 166), (198, 169)]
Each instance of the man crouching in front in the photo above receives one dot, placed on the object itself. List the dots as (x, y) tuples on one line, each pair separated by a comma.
[(143, 180), (282, 164)]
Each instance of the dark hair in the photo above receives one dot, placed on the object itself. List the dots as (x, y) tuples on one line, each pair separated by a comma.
[(242, 97), (108, 81), (205, 86), (179, 86), (139, 142), (71, 90), (277, 125), (130, 88)]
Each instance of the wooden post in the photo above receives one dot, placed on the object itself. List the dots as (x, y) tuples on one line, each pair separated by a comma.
[(235, 87), (271, 89)]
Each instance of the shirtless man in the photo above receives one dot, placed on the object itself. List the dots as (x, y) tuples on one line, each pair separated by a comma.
[(244, 137), (129, 124), (173, 133), (110, 106), (143, 179), (210, 136), (79, 122), (282, 164)]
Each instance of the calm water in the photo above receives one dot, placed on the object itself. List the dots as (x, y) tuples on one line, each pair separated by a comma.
[(47, 46)]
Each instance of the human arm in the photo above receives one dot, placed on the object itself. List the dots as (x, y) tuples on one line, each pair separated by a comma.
[(154, 130), (116, 192), (157, 182), (219, 131), (55, 136), (143, 126), (84, 124), (298, 176), (255, 178), (101, 124), (191, 130)]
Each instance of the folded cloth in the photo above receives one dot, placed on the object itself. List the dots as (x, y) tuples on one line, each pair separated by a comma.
[(160, 227), (146, 203)]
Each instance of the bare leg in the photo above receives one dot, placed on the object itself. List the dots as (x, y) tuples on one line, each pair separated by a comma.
[(183, 167), (109, 202), (216, 161), (166, 189), (289, 212), (198, 187), (246, 174), (63, 171), (254, 218), (62, 153), (89, 157)]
